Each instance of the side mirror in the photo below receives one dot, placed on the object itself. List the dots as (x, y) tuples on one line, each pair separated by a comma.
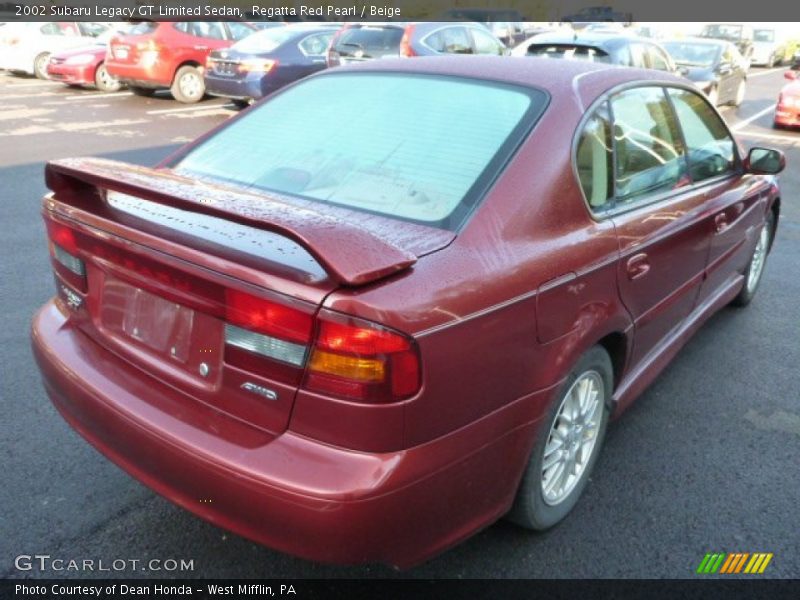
[(791, 75), (764, 161)]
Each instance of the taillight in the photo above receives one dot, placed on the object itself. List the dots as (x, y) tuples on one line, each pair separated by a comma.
[(358, 360), (64, 251), (265, 336), (257, 65), (405, 43), (333, 55), (149, 45)]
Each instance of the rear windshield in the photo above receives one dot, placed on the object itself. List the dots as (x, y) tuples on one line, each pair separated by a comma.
[(371, 39), (570, 52), (414, 147), (266, 40)]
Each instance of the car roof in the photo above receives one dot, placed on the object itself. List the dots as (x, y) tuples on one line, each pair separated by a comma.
[(563, 79)]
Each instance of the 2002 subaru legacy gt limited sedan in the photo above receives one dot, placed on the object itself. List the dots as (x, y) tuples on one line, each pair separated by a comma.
[(395, 302)]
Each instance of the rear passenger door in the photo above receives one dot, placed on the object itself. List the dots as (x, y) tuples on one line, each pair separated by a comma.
[(659, 218)]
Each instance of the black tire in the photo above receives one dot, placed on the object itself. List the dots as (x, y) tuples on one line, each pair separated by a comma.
[(240, 104), (530, 509), (188, 85), (749, 289), (141, 91), (40, 65), (104, 81)]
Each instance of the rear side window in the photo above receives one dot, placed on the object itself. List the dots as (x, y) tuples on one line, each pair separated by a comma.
[(594, 160), (450, 40), (316, 45), (709, 145), (566, 51), (419, 148), (649, 154), (206, 29)]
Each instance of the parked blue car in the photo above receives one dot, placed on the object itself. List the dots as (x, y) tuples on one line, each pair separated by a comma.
[(266, 61)]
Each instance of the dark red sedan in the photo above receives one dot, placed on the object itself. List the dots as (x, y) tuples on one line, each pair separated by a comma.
[(370, 340)]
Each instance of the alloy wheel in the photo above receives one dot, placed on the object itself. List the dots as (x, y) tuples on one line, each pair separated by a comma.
[(572, 437)]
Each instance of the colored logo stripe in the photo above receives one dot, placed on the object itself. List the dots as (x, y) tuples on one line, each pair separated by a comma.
[(734, 562)]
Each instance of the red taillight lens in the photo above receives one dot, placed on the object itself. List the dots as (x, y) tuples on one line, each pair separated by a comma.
[(64, 252), (266, 337), (270, 318), (405, 43), (358, 360), (261, 65)]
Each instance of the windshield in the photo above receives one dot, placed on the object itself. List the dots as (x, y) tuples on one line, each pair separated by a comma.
[(265, 40), (415, 147), (725, 32), (692, 55), (764, 35)]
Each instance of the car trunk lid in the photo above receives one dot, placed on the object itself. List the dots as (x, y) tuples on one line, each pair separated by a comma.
[(209, 288)]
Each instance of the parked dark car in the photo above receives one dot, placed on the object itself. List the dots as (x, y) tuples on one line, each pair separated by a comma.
[(266, 61), (399, 300), (740, 34), (715, 66), (357, 42), (609, 48)]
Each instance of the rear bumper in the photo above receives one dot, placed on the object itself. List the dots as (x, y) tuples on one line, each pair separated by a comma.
[(241, 89), (79, 74), (289, 492), (787, 117)]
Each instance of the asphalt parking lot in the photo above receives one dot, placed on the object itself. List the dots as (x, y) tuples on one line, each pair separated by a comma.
[(705, 461)]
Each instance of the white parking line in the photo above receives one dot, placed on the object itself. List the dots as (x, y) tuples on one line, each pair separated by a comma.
[(166, 111), (33, 84), (748, 120), (767, 72), (91, 96)]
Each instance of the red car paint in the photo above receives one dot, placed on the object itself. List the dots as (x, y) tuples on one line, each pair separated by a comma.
[(497, 314), (150, 60), (787, 110), (58, 69)]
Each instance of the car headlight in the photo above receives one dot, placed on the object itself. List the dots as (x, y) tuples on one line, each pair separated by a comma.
[(80, 59)]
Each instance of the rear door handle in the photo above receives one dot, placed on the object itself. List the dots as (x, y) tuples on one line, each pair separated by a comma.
[(638, 266), (721, 222)]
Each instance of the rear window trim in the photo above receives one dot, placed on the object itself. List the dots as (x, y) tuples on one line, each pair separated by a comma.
[(477, 192)]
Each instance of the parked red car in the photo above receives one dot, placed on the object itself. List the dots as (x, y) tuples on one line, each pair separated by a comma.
[(170, 55), (83, 66), (396, 301), (787, 109)]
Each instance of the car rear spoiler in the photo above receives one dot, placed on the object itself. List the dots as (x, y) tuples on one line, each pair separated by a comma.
[(350, 255)]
